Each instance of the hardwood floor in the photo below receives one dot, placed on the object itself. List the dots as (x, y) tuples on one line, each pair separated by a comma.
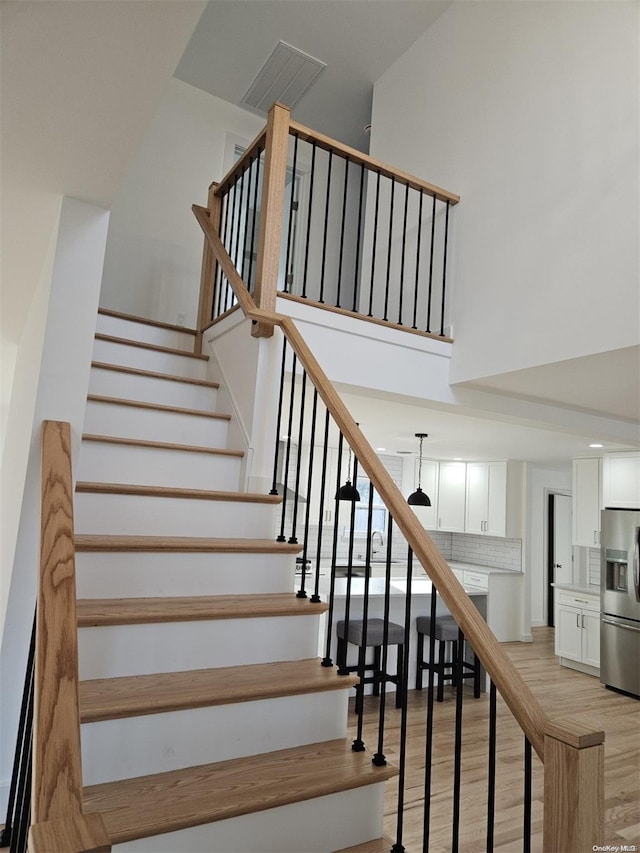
[(563, 693)]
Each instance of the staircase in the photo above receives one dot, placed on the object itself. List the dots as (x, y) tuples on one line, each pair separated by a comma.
[(207, 722)]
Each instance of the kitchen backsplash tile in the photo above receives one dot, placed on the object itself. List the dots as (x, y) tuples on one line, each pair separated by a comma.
[(487, 551), (594, 566)]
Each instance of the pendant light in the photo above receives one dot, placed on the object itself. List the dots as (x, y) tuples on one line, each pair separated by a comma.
[(419, 498), (348, 492)]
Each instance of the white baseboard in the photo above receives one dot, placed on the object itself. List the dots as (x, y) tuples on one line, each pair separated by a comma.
[(526, 638)]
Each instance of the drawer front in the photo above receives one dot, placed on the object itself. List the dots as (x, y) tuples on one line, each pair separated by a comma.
[(575, 599), (476, 579)]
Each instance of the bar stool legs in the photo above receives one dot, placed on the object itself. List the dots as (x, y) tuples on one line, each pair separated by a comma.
[(446, 633)]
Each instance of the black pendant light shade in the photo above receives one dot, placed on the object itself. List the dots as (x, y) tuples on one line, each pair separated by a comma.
[(348, 492), (419, 498)]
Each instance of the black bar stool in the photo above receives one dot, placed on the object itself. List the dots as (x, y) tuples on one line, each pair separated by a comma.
[(375, 638), (445, 631)]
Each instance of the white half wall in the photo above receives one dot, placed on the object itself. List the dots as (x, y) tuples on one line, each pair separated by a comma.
[(154, 248), (530, 112), (55, 355)]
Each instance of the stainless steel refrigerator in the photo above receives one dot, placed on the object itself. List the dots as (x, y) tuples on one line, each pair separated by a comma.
[(620, 600)]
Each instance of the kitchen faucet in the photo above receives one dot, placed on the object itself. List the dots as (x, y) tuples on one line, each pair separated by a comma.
[(373, 535)]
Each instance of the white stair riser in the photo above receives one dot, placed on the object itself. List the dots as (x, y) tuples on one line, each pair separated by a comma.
[(101, 462), (134, 575), (172, 646), (151, 389), (319, 825), (153, 425), (118, 327), (148, 359), (155, 743), (158, 516)]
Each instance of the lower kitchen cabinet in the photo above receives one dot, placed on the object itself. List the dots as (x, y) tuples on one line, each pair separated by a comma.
[(577, 630)]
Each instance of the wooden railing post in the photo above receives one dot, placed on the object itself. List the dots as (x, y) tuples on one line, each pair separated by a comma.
[(57, 819), (573, 788), (271, 215), (208, 270)]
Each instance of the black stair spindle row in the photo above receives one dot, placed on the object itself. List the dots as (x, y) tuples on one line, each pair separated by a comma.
[(343, 223), (323, 484), (288, 266), (403, 252), (374, 245), (296, 495), (325, 233), (312, 174)]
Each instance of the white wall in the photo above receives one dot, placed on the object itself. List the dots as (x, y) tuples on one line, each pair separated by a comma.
[(154, 248), (530, 112), (55, 357)]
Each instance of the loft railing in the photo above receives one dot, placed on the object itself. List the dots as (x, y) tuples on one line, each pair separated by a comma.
[(572, 755), (308, 218)]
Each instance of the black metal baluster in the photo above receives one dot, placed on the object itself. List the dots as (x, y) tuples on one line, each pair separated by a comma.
[(379, 758), (254, 219), (433, 236), (296, 497), (334, 551), (224, 236), (358, 744), (326, 226), (444, 266), (429, 732), (343, 669), (356, 287), (228, 297), (526, 832), (491, 799), (374, 245), (282, 537), (245, 237), (398, 847), (457, 771), (312, 439), (323, 482), (342, 229), (419, 242), (389, 245), (274, 483), (292, 201), (19, 802), (241, 183), (402, 255), (309, 210)]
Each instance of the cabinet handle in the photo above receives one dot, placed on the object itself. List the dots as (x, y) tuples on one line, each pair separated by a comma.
[(577, 620), (583, 620), (595, 537)]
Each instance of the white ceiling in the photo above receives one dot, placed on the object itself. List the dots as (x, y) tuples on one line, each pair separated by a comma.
[(358, 39)]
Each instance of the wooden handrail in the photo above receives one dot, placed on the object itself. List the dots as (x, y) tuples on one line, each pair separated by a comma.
[(524, 706), (355, 156), (57, 819)]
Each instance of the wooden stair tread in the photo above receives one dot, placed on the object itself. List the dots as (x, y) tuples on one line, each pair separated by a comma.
[(161, 445), (166, 802), (134, 318), (175, 492), (112, 339), (153, 374), (130, 696), (181, 544), (100, 612), (157, 407), (377, 845)]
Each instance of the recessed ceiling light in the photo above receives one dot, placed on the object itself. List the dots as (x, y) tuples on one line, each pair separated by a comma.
[(380, 449), (596, 445), (457, 458)]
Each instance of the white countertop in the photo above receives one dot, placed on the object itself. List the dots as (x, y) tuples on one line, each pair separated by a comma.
[(487, 570), (419, 586)]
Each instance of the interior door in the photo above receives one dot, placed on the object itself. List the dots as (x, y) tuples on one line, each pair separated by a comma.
[(562, 550)]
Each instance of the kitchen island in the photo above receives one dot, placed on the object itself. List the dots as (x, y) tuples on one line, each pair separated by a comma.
[(421, 591)]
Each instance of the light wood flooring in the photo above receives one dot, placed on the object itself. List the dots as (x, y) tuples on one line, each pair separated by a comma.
[(564, 694)]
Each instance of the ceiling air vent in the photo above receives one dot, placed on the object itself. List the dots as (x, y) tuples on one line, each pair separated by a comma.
[(284, 77)]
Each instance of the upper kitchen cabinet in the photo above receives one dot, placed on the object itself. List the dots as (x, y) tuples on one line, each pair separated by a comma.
[(622, 480), (587, 490), (494, 499), (451, 496)]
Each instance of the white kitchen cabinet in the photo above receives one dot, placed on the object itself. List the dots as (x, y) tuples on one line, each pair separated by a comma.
[(621, 480), (577, 630), (451, 496), (494, 499), (586, 502)]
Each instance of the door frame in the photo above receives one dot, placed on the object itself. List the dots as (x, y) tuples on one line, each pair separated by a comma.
[(549, 573)]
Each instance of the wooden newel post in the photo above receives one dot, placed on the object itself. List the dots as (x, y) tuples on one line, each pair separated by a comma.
[(271, 214), (573, 788), (208, 269)]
